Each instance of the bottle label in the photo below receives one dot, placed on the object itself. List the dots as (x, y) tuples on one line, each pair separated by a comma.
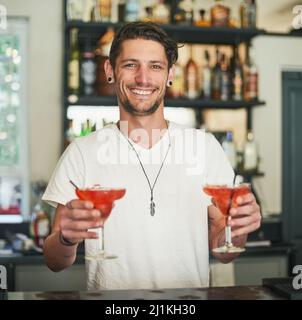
[(74, 74)]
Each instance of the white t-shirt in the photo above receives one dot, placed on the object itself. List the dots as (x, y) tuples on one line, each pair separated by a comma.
[(168, 250)]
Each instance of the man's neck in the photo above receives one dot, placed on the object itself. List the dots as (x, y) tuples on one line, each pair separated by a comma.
[(143, 130)]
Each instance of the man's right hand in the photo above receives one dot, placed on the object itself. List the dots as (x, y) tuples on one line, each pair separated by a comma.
[(76, 218)]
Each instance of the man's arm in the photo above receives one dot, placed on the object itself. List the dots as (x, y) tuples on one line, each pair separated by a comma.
[(245, 219), (71, 222)]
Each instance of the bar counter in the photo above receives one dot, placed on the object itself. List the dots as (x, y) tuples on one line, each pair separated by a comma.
[(215, 293)]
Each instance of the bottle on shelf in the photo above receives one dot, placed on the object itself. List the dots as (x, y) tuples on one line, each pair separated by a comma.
[(101, 54), (229, 148), (132, 10), (251, 80), (248, 14), (184, 12), (74, 9), (40, 222), (202, 22), (88, 72), (206, 77), (250, 154), (74, 64), (237, 76), (102, 10), (225, 90), (178, 88), (70, 133), (161, 12), (216, 77), (220, 14), (121, 10), (86, 128), (191, 78)]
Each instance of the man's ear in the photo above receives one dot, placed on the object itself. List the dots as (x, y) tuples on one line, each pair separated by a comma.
[(109, 71), (171, 74)]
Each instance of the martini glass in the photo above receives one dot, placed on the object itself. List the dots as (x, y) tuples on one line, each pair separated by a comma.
[(103, 200), (226, 198)]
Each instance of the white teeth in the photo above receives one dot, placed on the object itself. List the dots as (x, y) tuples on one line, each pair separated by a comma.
[(143, 92)]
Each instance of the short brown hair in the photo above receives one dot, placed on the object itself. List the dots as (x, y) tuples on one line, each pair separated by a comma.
[(147, 31)]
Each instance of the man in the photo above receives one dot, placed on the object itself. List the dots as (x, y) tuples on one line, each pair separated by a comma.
[(163, 228)]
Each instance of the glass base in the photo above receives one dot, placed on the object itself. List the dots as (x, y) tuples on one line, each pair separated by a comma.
[(100, 256), (228, 249)]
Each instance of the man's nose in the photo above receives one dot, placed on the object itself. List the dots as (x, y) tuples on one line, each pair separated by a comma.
[(142, 75)]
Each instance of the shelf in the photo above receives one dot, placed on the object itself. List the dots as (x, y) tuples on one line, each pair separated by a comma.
[(182, 33), (181, 102), (250, 175)]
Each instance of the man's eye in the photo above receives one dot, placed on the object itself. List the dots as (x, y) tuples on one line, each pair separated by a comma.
[(157, 67), (129, 65)]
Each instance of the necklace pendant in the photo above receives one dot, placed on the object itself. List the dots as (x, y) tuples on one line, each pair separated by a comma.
[(152, 208)]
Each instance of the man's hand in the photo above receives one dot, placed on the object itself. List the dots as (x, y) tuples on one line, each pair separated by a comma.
[(76, 218), (246, 218)]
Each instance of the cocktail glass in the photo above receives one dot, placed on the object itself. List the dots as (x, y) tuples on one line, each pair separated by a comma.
[(225, 198), (103, 200)]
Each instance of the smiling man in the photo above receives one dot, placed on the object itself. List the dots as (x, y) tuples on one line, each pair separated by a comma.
[(163, 228)]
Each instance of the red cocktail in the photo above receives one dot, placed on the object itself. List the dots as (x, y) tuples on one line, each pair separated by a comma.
[(103, 200), (225, 198)]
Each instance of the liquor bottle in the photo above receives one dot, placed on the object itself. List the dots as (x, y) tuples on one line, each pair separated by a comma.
[(251, 81), (250, 154), (121, 10), (206, 77), (225, 89), (40, 223), (88, 72), (229, 148), (191, 77), (237, 75), (132, 10), (220, 14), (74, 9), (184, 12), (178, 88), (102, 10), (202, 22), (161, 12), (216, 78), (86, 128), (74, 64), (248, 14)]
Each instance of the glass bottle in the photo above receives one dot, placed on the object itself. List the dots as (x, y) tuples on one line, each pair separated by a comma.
[(248, 14), (102, 10), (216, 78), (229, 148), (225, 80), (74, 63), (184, 12), (132, 10), (237, 78), (206, 77), (220, 14), (250, 153), (251, 80), (88, 72), (202, 22), (121, 10), (191, 77), (161, 12)]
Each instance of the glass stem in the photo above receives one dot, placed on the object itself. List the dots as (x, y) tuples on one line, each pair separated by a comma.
[(103, 239), (228, 236)]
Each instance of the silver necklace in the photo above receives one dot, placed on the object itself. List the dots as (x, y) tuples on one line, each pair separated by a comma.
[(152, 203)]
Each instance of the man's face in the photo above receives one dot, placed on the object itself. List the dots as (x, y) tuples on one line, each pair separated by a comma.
[(141, 74)]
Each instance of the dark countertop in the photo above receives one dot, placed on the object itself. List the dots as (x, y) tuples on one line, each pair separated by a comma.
[(38, 258), (221, 293)]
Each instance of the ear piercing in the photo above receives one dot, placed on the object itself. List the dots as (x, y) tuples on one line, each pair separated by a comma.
[(109, 79), (170, 83)]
